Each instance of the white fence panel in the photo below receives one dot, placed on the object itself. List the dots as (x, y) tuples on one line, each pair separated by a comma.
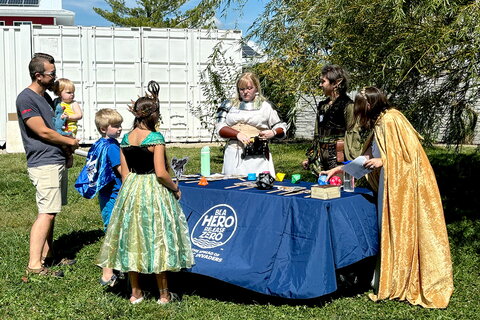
[(112, 66), (114, 71), (175, 58), (14, 75), (104, 64)]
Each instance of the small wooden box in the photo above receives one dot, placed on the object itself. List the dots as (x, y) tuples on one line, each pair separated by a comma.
[(325, 192)]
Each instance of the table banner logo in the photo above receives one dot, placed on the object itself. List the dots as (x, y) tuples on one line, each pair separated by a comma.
[(215, 227)]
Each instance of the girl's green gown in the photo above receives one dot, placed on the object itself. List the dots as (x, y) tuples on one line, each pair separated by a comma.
[(148, 232)]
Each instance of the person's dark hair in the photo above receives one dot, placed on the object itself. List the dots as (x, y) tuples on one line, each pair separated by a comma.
[(147, 108), (36, 65), (334, 74), (370, 102)]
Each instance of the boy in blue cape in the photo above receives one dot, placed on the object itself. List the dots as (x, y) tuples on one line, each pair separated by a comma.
[(101, 173)]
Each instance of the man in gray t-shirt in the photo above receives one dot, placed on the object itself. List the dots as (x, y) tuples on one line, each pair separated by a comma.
[(39, 151), (45, 150)]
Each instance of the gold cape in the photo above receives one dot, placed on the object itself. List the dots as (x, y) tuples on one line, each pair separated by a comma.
[(415, 263)]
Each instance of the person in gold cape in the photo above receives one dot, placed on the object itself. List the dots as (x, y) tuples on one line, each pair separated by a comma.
[(414, 262)]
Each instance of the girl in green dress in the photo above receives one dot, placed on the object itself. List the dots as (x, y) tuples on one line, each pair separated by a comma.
[(148, 232)]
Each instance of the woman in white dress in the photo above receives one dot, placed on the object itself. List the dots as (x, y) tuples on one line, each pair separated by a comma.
[(242, 118)]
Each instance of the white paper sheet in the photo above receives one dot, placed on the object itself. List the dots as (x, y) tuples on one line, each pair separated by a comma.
[(356, 168)]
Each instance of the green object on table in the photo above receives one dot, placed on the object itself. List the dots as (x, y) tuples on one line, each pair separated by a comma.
[(296, 177)]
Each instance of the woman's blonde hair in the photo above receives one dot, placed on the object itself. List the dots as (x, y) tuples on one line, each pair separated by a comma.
[(62, 84), (243, 80)]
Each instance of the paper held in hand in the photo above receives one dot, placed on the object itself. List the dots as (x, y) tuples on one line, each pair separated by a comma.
[(356, 168)]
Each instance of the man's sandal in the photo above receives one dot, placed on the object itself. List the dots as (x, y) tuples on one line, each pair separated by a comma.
[(44, 271)]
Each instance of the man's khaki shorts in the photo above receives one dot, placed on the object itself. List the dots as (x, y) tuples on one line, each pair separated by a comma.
[(51, 183)]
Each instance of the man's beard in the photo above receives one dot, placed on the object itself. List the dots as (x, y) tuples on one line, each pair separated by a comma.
[(50, 85), (46, 86)]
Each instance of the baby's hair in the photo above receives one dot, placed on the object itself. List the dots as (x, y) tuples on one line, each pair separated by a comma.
[(105, 117), (147, 108), (62, 84)]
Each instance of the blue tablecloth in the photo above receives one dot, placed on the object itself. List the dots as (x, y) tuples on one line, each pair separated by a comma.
[(287, 246)]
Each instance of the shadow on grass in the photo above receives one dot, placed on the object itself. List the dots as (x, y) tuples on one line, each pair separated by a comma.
[(457, 177), (352, 280), (68, 245)]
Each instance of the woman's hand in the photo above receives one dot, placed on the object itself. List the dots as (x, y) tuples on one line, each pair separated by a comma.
[(243, 138), (373, 163), (267, 134), (332, 172)]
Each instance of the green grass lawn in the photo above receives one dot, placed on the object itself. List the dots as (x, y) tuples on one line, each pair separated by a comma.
[(78, 234)]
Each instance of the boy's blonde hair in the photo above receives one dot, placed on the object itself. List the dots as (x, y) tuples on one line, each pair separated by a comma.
[(105, 117), (62, 84)]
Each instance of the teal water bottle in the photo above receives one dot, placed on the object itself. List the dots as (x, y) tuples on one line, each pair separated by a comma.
[(205, 161)]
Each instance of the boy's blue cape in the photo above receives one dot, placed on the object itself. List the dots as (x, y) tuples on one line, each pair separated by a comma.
[(97, 172)]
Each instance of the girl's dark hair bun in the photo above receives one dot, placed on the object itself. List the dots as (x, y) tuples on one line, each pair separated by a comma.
[(148, 104)]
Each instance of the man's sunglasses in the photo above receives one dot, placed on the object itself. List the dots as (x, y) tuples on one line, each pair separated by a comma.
[(52, 74)]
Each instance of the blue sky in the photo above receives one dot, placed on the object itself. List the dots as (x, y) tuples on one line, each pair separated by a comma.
[(85, 16)]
